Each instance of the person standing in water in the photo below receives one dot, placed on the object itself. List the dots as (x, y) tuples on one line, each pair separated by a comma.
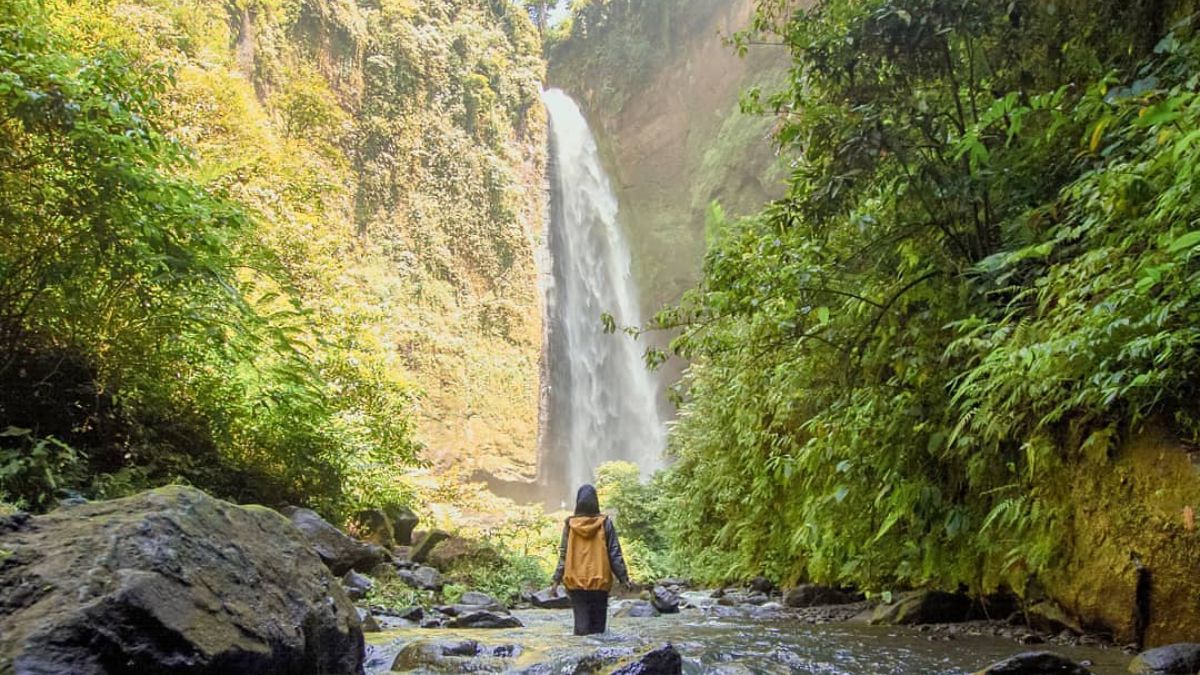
[(588, 559)]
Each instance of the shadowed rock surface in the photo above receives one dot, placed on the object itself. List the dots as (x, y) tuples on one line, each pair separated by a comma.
[(339, 552), (170, 581)]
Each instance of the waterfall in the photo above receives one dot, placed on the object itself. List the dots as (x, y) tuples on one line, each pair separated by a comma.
[(602, 402)]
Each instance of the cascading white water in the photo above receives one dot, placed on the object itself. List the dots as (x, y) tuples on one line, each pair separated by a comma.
[(602, 401)]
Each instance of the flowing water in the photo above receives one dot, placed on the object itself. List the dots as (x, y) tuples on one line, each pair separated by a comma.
[(602, 403), (729, 643)]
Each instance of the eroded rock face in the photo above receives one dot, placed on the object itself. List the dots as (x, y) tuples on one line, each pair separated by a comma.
[(170, 580)]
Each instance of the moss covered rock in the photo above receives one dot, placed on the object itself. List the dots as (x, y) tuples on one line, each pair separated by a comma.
[(170, 580)]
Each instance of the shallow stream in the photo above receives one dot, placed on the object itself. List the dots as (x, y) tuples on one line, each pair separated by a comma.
[(733, 642)]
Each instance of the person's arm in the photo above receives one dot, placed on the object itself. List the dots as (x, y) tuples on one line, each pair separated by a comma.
[(562, 556), (616, 559)]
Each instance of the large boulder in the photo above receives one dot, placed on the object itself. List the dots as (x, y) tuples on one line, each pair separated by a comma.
[(404, 521), (375, 527), (665, 660), (339, 552), (1035, 663), (1183, 657), (170, 580), (922, 607), (811, 595)]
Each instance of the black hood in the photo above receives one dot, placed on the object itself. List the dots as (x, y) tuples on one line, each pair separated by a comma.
[(586, 502)]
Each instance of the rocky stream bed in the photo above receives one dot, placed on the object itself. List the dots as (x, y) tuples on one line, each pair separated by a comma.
[(175, 581)]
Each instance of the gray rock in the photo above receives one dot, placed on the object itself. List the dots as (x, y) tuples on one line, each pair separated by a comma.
[(374, 526), (665, 660), (357, 586), (756, 599), (422, 578), (454, 656), (664, 600), (421, 549), (485, 619), (544, 599), (1182, 657), (921, 607), (404, 521), (433, 621), (1035, 663), (761, 585), (339, 552), (811, 595), (170, 580), (637, 609), (477, 599)]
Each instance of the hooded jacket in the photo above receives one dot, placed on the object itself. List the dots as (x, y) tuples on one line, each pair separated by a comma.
[(590, 553)]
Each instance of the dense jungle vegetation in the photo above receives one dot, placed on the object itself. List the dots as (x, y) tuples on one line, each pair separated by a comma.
[(986, 270), (257, 246)]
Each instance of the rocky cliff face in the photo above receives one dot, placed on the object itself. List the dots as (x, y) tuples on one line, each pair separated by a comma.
[(395, 151), (661, 87)]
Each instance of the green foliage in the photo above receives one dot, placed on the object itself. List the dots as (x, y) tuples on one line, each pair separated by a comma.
[(639, 512), (167, 289), (983, 271), (392, 593), (33, 470), (518, 556)]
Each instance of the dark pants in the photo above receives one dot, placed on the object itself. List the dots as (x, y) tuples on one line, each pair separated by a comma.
[(591, 611)]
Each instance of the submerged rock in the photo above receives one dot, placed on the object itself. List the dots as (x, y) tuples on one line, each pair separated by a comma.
[(485, 619), (664, 600), (1183, 657), (544, 599), (1035, 663), (665, 660), (171, 580), (340, 552)]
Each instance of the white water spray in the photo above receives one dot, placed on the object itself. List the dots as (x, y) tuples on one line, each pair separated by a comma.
[(602, 402)]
